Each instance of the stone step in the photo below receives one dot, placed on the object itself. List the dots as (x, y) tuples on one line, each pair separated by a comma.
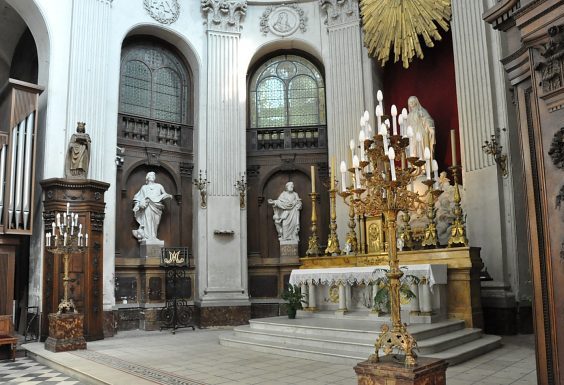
[(355, 343), (362, 329), (453, 355), (469, 350)]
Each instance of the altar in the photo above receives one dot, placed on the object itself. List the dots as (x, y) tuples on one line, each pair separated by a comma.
[(453, 294), (345, 289)]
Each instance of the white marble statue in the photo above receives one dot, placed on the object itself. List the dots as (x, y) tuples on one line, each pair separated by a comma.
[(421, 122), (148, 208), (287, 214), (444, 206)]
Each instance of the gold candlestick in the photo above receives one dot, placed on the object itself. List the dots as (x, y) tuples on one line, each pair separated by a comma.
[(313, 242), (333, 247), (352, 242), (407, 234), (458, 228), (431, 239)]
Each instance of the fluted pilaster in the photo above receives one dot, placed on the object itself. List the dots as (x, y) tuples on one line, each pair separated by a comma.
[(473, 82), (88, 77)]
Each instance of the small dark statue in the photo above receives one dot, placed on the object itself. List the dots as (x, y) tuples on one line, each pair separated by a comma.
[(78, 154)]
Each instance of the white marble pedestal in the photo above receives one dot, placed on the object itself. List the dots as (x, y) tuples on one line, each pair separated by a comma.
[(150, 248)]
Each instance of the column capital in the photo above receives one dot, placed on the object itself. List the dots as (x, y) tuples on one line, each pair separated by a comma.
[(340, 12), (224, 15)]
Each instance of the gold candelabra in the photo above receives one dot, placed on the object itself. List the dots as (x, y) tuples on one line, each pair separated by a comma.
[(431, 239), (66, 238), (352, 241), (380, 180)]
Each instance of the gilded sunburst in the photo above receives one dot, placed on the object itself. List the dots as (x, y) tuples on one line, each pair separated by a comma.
[(400, 23)]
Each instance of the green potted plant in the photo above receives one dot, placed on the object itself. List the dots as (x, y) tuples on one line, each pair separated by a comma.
[(293, 295), (382, 298)]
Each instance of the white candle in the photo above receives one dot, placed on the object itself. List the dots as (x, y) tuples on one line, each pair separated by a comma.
[(400, 122), (392, 156), (366, 116), (352, 145), (65, 219), (368, 131), (65, 239), (356, 164), (379, 113), (427, 154), (435, 168), (76, 219), (47, 238), (404, 114), (361, 143), (312, 179), (58, 219), (68, 207), (394, 115), (380, 97), (343, 176), (86, 238), (453, 146), (53, 225)]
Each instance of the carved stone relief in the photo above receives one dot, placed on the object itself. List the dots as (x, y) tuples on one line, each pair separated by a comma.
[(283, 20), (556, 151), (224, 15), (551, 69), (340, 11), (163, 11)]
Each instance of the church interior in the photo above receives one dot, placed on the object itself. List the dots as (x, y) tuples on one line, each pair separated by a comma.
[(364, 186)]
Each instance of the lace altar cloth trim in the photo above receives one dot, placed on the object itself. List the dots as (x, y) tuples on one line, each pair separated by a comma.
[(436, 274)]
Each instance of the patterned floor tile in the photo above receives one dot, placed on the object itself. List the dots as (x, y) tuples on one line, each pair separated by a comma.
[(26, 371)]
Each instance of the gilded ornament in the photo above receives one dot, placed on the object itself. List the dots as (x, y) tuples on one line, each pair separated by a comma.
[(400, 24)]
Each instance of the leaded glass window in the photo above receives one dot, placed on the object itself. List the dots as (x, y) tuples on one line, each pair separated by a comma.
[(287, 91), (154, 83)]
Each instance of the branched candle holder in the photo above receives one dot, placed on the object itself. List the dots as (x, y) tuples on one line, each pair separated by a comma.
[(493, 148), (201, 184), (66, 238), (406, 235), (379, 186), (241, 187)]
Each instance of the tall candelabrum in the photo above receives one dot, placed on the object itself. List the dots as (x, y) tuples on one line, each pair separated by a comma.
[(66, 238), (379, 185)]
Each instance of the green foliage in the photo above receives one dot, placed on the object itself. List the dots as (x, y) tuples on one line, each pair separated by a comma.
[(382, 297), (293, 295)]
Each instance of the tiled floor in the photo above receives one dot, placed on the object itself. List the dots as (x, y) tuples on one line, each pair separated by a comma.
[(196, 358), (26, 371)]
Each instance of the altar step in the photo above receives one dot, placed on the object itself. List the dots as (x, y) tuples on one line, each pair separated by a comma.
[(352, 340)]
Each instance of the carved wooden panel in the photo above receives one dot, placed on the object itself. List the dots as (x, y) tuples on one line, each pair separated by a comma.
[(86, 270)]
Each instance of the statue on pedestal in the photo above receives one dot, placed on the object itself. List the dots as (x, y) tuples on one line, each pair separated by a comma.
[(148, 208), (78, 154), (421, 122), (287, 214)]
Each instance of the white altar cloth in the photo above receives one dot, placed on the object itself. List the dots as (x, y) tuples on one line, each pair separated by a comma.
[(435, 273)]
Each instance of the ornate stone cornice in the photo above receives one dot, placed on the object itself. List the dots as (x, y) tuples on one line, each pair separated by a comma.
[(500, 15), (224, 15), (340, 11)]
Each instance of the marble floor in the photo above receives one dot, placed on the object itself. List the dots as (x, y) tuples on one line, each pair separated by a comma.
[(196, 358)]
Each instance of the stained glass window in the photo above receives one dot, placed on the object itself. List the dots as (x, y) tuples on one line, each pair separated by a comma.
[(287, 91), (154, 83)]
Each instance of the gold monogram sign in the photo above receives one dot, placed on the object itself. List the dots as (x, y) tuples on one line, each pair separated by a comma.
[(174, 256)]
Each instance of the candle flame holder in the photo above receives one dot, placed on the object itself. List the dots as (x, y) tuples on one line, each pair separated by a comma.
[(241, 187), (493, 148)]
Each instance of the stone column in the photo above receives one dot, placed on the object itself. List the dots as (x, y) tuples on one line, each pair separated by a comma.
[(348, 85), (342, 298), (482, 109), (222, 255), (312, 303)]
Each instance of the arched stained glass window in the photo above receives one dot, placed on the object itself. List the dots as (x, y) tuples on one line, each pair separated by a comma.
[(287, 91), (154, 83)]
